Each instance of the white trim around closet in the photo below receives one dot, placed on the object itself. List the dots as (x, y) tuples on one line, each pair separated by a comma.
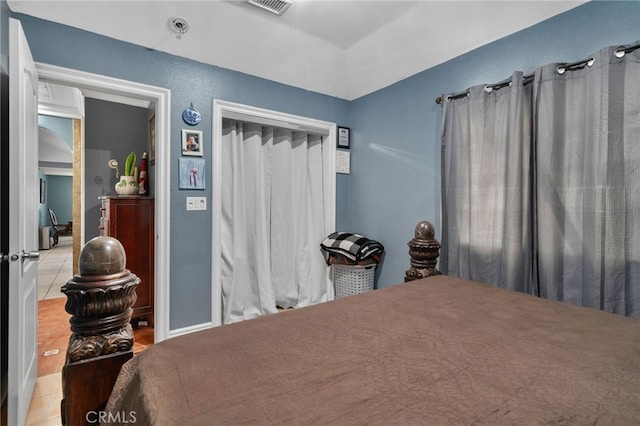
[(247, 113)]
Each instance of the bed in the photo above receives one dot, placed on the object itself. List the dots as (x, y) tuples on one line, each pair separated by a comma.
[(434, 350), (438, 350)]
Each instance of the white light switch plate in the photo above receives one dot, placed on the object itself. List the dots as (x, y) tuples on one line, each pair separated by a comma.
[(196, 203)]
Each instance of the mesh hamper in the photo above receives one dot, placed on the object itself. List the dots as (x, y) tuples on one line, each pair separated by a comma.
[(352, 279)]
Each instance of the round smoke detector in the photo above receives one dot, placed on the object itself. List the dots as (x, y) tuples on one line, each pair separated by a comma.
[(178, 25)]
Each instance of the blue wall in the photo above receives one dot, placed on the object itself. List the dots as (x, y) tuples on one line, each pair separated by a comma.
[(60, 197), (63, 127), (395, 154), (395, 181), (189, 82)]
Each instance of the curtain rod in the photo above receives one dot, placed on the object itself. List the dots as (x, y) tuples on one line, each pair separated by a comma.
[(625, 50), (619, 53), (489, 87)]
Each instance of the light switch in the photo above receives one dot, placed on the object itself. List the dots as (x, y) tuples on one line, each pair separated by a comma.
[(196, 203)]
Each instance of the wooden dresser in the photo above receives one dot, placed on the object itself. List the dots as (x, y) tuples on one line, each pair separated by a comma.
[(130, 219)]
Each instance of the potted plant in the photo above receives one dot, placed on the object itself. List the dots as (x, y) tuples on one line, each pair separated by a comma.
[(128, 184)]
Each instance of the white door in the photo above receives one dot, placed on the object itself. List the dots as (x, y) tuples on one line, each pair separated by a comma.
[(23, 225)]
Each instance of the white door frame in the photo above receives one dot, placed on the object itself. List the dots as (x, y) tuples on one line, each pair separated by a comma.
[(162, 98), (246, 113)]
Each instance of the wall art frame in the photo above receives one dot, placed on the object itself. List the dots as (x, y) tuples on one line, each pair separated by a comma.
[(192, 142), (152, 139), (344, 137), (192, 173), (43, 191)]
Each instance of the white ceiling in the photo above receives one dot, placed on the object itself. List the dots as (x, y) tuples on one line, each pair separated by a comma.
[(343, 48)]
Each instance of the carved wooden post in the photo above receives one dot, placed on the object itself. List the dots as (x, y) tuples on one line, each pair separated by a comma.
[(99, 299), (424, 250)]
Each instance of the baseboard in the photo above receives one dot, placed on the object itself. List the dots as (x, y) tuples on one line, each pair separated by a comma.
[(190, 329)]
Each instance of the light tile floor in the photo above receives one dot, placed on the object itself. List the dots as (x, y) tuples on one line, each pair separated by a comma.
[(45, 404), (54, 270)]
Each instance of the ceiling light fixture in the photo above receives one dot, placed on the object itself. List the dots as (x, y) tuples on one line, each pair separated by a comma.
[(274, 6), (178, 26)]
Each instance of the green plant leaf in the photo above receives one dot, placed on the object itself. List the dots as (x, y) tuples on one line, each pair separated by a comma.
[(130, 164)]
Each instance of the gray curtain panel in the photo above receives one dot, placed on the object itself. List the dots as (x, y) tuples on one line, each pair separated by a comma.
[(587, 128), (486, 186), (541, 183)]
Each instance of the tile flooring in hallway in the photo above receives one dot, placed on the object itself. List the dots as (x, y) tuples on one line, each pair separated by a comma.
[(55, 269)]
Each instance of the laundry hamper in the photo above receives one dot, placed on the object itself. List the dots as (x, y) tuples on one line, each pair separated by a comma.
[(352, 279)]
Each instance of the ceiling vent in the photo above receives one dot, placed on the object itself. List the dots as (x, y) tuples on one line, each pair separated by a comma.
[(274, 6)]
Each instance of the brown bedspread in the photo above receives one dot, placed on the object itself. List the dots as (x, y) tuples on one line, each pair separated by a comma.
[(436, 351)]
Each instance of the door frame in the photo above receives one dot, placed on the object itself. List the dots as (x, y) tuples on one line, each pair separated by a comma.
[(162, 98)]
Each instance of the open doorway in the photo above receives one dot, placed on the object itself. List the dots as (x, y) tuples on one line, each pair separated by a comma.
[(94, 86), (74, 153), (126, 92), (58, 118), (55, 211)]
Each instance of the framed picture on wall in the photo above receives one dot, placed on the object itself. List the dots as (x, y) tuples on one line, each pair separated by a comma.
[(152, 139), (192, 142), (191, 173), (43, 190), (343, 137)]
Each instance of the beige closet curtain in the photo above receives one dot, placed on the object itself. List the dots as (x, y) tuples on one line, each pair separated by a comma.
[(274, 218)]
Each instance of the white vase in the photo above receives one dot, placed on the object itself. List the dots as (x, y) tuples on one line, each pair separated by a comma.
[(127, 186)]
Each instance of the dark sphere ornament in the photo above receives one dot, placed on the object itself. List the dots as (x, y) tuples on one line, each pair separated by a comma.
[(425, 230), (102, 256)]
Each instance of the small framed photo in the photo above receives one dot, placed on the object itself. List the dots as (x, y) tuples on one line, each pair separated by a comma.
[(152, 139), (192, 173), (192, 142), (343, 137)]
